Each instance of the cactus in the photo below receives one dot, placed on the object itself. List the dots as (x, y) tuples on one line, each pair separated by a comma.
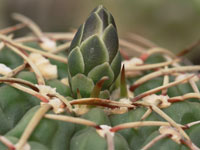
[(94, 53), (55, 96)]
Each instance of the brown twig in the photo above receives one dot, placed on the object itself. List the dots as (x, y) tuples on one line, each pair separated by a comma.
[(61, 36), (20, 81), (12, 28), (194, 86), (139, 124), (71, 119), (163, 72), (141, 40), (153, 141), (30, 49), (192, 124), (131, 46), (17, 70), (110, 141), (100, 102), (161, 51), (165, 81), (160, 88), (184, 97), (189, 49), (146, 114), (65, 101), (56, 36), (7, 143), (33, 66), (152, 66), (32, 25), (189, 144), (30, 91)]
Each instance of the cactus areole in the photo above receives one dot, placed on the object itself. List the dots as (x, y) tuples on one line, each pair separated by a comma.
[(94, 53)]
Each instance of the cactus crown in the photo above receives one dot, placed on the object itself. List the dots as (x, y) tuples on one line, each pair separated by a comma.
[(94, 52)]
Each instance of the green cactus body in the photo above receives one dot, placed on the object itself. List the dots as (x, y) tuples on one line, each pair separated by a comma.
[(13, 105), (56, 138), (9, 58), (94, 53), (97, 115), (149, 106), (89, 138), (90, 135)]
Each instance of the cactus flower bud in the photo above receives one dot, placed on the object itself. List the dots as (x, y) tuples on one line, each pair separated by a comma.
[(94, 53)]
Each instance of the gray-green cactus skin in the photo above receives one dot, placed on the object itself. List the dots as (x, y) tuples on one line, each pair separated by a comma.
[(94, 53)]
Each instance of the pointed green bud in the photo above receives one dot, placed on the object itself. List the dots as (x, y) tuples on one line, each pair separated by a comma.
[(94, 50)]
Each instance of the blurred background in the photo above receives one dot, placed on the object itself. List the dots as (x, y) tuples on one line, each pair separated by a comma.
[(172, 24)]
